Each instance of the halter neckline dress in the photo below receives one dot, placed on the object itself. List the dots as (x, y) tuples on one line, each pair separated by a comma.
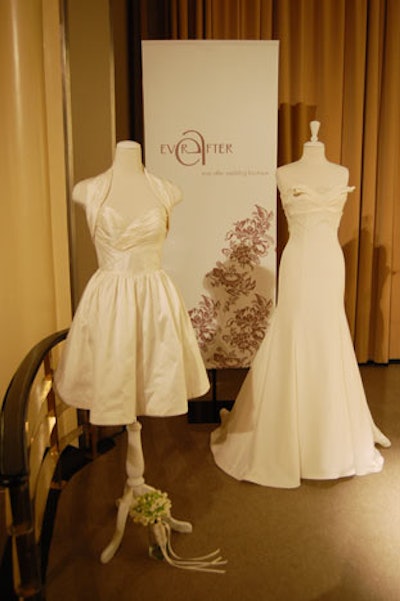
[(131, 349)]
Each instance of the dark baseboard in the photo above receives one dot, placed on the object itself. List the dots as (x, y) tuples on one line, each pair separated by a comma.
[(206, 412)]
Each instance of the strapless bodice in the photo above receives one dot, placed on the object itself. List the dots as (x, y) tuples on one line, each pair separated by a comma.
[(305, 207)]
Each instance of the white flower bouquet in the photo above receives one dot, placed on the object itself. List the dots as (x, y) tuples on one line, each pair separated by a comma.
[(153, 509)]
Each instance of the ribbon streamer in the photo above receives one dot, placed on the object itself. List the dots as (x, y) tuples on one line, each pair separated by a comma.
[(205, 563)]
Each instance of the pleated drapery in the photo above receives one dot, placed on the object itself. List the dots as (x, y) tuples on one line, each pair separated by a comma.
[(339, 64)]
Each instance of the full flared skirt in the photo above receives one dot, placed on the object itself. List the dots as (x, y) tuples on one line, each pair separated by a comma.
[(131, 350)]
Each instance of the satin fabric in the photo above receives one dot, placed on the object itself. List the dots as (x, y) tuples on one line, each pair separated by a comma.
[(131, 349), (302, 410)]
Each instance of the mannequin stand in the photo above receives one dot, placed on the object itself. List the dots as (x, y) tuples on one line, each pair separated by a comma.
[(135, 486)]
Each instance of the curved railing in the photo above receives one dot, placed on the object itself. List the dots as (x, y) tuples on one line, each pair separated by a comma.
[(14, 465), (35, 428)]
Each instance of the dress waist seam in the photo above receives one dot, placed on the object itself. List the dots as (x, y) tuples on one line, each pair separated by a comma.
[(129, 273)]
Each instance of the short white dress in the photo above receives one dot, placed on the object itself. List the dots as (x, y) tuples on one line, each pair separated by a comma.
[(131, 349)]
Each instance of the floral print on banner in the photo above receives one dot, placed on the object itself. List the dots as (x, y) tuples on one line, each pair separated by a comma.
[(231, 321)]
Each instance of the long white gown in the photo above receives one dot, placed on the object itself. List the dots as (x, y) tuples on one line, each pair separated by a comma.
[(302, 410), (131, 349)]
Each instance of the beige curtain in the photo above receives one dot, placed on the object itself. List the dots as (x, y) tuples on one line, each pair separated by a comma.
[(339, 64)]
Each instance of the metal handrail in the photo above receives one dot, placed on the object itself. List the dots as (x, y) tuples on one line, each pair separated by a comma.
[(15, 471), (14, 466)]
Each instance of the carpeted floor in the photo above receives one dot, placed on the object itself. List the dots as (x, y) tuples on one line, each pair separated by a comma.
[(324, 541)]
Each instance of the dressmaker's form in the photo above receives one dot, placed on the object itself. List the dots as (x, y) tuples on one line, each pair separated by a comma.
[(131, 349), (301, 412)]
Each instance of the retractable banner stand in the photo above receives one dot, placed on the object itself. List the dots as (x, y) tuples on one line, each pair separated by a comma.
[(210, 120)]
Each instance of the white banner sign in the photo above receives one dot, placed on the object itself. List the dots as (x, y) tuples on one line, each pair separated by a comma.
[(210, 120)]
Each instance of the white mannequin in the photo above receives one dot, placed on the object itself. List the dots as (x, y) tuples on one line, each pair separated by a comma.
[(312, 169), (130, 194)]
